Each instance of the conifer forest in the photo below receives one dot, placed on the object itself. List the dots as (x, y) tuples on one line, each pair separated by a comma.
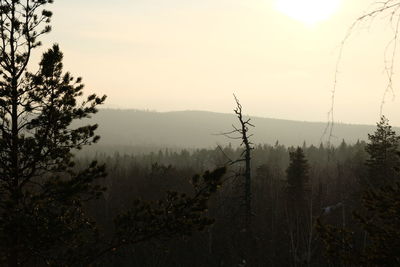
[(85, 184)]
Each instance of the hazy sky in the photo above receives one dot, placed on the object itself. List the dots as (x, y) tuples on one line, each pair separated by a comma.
[(193, 54)]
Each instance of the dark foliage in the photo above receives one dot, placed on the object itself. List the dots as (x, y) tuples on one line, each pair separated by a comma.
[(42, 220), (225, 243), (378, 217), (43, 195), (382, 148), (297, 173)]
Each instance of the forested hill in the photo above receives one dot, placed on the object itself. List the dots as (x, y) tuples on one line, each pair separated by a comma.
[(200, 129)]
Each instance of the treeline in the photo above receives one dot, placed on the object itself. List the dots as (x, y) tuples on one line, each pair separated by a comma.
[(302, 206), (284, 210)]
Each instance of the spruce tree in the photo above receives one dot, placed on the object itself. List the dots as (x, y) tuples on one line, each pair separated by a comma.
[(297, 173), (297, 207)]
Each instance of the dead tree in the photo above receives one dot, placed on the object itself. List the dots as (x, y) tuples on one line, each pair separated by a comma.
[(242, 133)]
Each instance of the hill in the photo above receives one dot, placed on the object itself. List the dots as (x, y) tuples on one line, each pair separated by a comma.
[(200, 129)]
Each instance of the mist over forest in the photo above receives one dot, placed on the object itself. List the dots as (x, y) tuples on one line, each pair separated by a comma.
[(85, 185), (202, 129)]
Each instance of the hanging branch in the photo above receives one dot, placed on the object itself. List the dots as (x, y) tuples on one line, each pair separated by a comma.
[(389, 9)]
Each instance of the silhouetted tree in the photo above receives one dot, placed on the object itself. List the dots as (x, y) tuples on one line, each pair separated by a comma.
[(42, 194), (243, 130), (242, 133), (299, 208), (383, 151), (297, 174)]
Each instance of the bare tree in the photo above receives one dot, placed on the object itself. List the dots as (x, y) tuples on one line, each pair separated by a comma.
[(242, 133)]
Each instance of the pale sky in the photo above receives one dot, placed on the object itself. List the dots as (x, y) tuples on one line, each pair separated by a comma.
[(169, 55)]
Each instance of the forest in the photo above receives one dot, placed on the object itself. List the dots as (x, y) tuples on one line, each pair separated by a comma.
[(335, 202), (282, 230), (294, 189)]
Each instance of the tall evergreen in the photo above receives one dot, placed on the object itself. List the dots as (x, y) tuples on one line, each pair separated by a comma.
[(297, 209), (383, 151), (43, 221), (297, 172), (42, 194)]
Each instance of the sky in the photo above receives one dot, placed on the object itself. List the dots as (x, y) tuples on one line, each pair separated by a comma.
[(193, 55)]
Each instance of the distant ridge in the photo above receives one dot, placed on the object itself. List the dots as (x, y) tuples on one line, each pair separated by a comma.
[(200, 129)]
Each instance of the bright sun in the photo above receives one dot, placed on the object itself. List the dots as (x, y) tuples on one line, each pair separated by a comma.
[(309, 12)]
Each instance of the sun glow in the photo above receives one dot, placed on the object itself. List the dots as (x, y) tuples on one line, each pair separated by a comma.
[(309, 12)]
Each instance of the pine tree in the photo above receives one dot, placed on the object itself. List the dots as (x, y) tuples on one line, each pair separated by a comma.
[(383, 151), (42, 194)]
